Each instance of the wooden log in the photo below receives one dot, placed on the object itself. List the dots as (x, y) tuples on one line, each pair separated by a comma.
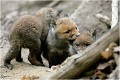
[(78, 64)]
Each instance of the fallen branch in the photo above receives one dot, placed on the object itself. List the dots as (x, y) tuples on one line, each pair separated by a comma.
[(78, 64)]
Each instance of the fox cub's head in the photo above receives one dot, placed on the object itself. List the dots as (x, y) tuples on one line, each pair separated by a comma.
[(66, 29), (49, 14), (83, 40)]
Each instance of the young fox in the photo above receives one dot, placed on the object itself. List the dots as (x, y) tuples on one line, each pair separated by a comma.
[(30, 32), (58, 41)]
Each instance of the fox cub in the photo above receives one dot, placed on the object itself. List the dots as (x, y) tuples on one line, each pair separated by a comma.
[(83, 39), (30, 32), (59, 39)]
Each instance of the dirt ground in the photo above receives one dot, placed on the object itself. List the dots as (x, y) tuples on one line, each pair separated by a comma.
[(11, 10)]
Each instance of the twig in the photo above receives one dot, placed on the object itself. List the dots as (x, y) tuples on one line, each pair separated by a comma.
[(104, 19)]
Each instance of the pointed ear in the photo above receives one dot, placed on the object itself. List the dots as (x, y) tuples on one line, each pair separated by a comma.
[(58, 22), (66, 15), (59, 11), (94, 33)]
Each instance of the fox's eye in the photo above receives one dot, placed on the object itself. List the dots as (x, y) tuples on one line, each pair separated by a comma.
[(76, 27), (67, 31), (87, 44)]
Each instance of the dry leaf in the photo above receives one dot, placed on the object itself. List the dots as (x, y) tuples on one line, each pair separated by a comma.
[(28, 77), (99, 75), (108, 53), (107, 67), (112, 65), (53, 68), (102, 66)]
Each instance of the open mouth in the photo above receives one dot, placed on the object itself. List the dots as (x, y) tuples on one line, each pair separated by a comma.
[(71, 41)]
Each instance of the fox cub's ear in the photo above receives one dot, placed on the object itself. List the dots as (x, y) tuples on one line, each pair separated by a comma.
[(59, 11), (66, 15), (59, 21)]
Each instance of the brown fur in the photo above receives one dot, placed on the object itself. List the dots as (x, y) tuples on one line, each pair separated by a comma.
[(83, 39), (58, 41), (30, 32)]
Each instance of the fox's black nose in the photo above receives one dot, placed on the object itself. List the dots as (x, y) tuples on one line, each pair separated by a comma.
[(78, 34)]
